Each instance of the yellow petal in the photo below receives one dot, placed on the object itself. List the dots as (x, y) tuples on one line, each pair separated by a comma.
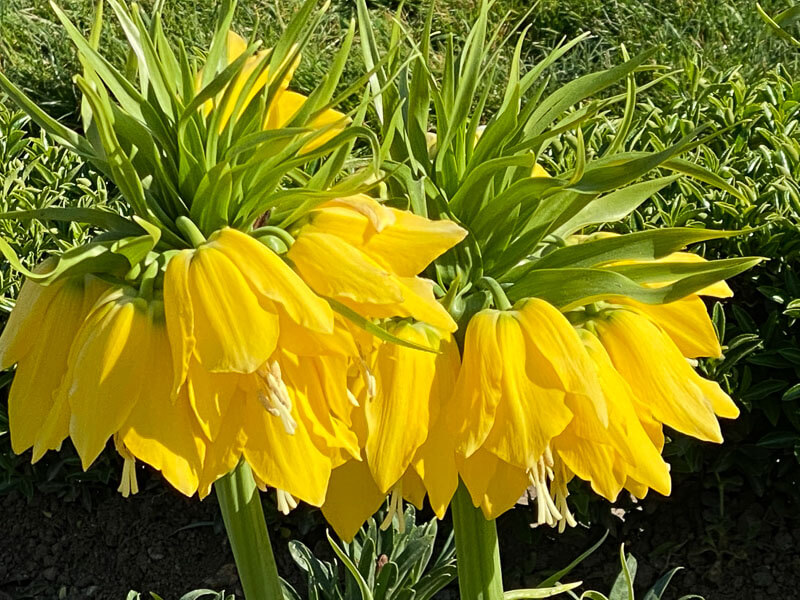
[(319, 390), (551, 338), (235, 45), (686, 321), (591, 462), (435, 463), (532, 409), (378, 215), (162, 432), (223, 454), (107, 371), (406, 246), (539, 171), (658, 373), (493, 484), (336, 269), (413, 488), (305, 342), (289, 462), (398, 415), (270, 277), (233, 331), (22, 328), (626, 432), (352, 498), (480, 382), (42, 367), (285, 106), (55, 428), (179, 316), (722, 404), (209, 395)]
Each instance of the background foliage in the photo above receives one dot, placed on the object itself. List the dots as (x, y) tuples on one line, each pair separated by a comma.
[(736, 76)]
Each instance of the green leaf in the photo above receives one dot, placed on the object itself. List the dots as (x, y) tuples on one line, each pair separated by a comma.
[(576, 91), (660, 586), (623, 586), (641, 245), (548, 592), (557, 576), (568, 288), (366, 594), (614, 206), (90, 216), (72, 140), (372, 328), (89, 258)]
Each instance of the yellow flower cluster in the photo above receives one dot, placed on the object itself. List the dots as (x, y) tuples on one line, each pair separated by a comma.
[(240, 355), (337, 373)]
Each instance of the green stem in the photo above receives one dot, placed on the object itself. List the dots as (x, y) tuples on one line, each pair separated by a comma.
[(477, 550), (240, 504), (500, 299), (190, 230)]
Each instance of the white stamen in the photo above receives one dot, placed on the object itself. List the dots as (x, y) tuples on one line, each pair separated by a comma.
[(551, 493), (395, 509), (274, 396), (352, 398), (286, 502), (128, 484)]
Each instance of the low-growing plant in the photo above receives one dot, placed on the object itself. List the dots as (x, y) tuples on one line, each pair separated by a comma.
[(394, 564)]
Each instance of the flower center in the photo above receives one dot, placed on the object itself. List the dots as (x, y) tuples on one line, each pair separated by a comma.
[(274, 396)]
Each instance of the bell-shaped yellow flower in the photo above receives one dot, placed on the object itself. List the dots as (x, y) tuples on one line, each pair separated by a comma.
[(518, 367), (225, 301), (37, 338), (367, 256), (403, 451), (658, 373)]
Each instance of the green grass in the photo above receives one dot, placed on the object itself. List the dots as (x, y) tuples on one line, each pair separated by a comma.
[(35, 52)]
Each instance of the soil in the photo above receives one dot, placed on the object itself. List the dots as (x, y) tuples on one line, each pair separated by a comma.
[(159, 541)]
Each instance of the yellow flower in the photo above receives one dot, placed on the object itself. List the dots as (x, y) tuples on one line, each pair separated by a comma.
[(524, 373), (395, 425), (367, 256), (37, 338), (226, 302), (658, 373), (289, 421), (537, 403)]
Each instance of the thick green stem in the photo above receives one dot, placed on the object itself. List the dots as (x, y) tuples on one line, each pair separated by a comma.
[(241, 509), (477, 550)]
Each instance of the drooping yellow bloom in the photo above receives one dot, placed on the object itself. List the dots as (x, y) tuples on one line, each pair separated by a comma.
[(225, 302), (37, 338), (659, 374), (368, 256), (539, 402), (395, 422), (522, 370)]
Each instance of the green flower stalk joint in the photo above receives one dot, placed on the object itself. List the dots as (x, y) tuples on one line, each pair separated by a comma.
[(260, 319)]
